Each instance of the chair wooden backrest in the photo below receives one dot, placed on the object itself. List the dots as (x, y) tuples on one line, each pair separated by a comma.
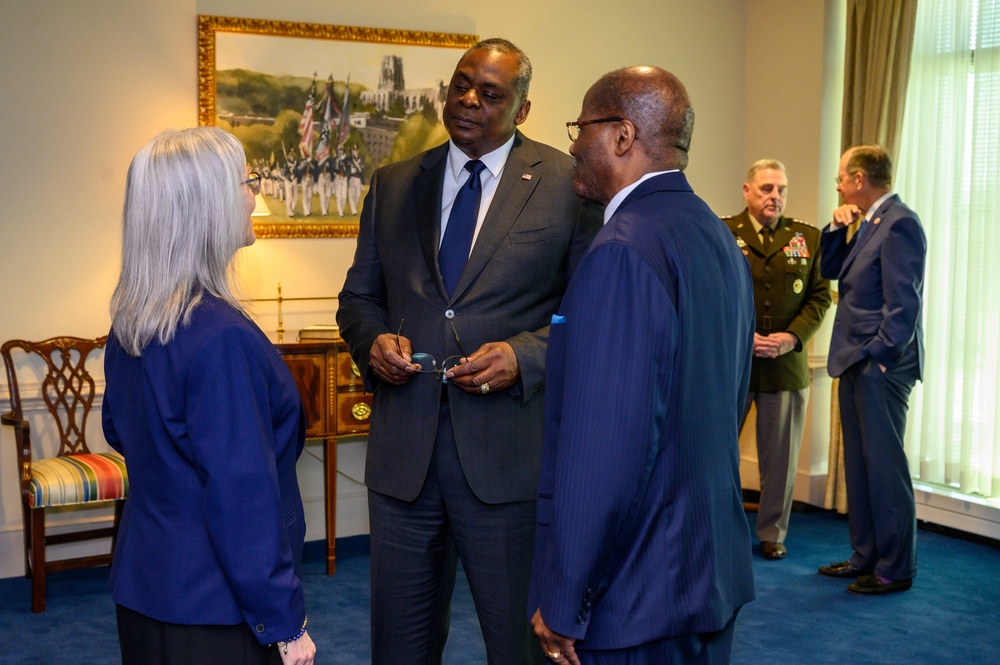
[(67, 389)]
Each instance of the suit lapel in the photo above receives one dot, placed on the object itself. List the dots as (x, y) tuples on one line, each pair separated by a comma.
[(428, 193), (513, 192)]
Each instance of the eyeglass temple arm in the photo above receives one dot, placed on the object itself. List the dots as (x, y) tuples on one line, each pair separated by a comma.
[(458, 341), (399, 349)]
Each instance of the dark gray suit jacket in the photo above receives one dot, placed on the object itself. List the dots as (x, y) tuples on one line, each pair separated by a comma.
[(534, 234)]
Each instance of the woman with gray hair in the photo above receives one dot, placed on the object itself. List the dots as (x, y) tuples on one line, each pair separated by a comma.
[(208, 417)]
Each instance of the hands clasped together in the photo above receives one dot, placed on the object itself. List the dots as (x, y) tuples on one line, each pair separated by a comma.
[(773, 345), (492, 367)]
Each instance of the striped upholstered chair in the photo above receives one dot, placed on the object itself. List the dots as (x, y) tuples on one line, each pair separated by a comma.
[(57, 368)]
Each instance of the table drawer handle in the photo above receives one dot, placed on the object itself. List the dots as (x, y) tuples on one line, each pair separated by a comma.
[(361, 411)]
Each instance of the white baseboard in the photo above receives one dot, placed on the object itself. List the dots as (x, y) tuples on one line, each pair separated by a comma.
[(12, 541), (809, 488), (934, 504), (352, 520), (957, 511)]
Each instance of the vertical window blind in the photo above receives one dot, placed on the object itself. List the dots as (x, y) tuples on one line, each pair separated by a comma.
[(949, 173)]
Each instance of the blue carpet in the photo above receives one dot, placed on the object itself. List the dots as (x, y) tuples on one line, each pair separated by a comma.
[(949, 616), (799, 617)]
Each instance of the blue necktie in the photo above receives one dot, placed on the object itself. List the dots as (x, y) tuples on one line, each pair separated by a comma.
[(457, 241), (861, 230)]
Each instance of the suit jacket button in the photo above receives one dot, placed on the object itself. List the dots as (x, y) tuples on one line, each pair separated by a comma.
[(259, 628), (581, 620), (449, 314)]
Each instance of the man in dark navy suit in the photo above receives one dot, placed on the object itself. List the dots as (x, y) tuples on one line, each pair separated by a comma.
[(876, 350), (642, 548)]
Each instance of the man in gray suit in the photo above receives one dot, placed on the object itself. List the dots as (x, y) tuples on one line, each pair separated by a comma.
[(453, 456)]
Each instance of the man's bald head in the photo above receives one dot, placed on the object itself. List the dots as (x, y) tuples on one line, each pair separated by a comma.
[(657, 104)]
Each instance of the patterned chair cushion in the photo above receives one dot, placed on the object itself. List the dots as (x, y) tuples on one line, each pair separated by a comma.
[(60, 481)]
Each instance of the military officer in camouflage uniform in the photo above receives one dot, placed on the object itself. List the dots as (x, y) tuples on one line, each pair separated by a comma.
[(790, 298)]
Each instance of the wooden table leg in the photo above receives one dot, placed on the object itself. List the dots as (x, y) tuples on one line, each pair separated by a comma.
[(330, 486)]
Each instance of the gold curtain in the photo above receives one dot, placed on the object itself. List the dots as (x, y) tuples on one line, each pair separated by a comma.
[(876, 70)]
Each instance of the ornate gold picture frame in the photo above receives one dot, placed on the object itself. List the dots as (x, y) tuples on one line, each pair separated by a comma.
[(319, 107)]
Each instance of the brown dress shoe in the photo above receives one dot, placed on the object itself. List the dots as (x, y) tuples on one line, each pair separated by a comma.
[(871, 585), (842, 569), (771, 550)]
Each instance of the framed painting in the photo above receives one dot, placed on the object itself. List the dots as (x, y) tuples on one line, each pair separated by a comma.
[(319, 107)]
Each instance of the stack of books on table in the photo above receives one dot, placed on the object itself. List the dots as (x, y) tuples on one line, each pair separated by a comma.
[(319, 331)]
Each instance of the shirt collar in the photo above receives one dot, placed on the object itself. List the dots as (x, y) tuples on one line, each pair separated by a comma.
[(875, 206), (616, 201), (757, 226), (494, 161)]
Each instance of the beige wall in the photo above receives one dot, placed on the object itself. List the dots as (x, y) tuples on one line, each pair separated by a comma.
[(793, 86), (85, 84)]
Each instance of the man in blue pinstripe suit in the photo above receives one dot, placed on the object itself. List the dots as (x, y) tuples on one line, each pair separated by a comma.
[(642, 548)]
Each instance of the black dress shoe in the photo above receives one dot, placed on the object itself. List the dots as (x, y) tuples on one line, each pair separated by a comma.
[(842, 569), (771, 550), (871, 585)]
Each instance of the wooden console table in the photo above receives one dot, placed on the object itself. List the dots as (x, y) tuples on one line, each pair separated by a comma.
[(335, 406)]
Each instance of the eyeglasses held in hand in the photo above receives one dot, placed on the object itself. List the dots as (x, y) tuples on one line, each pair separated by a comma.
[(573, 128), (426, 360), (253, 183)]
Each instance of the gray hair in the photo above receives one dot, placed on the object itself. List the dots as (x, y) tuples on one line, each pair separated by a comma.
[(522, 78), (874, 162), (765, 164), (183, 220)]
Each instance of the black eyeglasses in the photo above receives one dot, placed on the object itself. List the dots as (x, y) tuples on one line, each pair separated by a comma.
[(573, 128), (253, 183), (427, 360)]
